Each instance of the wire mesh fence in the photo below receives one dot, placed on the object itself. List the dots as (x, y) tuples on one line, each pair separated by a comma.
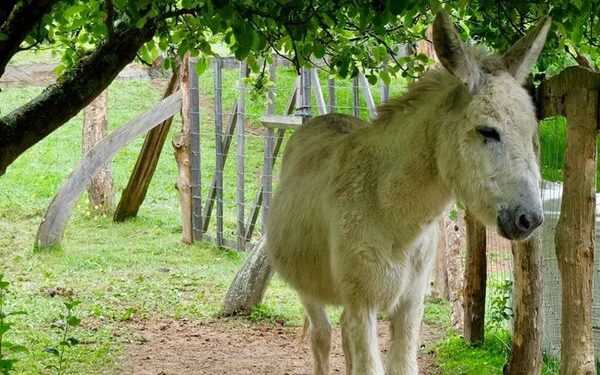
[(239, 156)]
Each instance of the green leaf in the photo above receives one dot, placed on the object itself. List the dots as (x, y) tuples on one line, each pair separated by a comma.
[(3, 37), (73, 321), (372, 79), (201, 65), (52, 351), (141, 22), (71, 304), (385, 77), (18, 349), (319, 50), (395, 7), (5, 327)]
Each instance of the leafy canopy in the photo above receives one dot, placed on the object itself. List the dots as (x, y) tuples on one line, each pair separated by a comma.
[(344, 35)]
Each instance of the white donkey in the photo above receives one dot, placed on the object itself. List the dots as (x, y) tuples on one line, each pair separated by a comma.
[(354, 220)]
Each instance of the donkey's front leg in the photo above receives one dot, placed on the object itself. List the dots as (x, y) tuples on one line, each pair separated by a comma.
[(405, 324), (359, 326)]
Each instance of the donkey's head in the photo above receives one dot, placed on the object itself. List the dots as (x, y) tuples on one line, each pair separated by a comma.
[(486, 145)]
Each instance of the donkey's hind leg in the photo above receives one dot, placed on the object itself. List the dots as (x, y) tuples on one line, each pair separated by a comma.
[(319, 333), (346, 342)]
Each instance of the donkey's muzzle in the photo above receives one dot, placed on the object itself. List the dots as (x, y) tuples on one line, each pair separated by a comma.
[(518, 224)]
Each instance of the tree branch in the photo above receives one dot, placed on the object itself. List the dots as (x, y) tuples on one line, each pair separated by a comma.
[(110, 19), (20, 22), (27, 125), (6, 7)]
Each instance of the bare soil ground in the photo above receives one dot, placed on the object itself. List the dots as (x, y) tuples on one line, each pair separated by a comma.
[(170, 347)]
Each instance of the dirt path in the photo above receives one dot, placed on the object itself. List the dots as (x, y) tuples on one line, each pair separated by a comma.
[(237, 347)]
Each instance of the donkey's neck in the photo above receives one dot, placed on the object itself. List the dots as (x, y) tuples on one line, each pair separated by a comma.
[(411, 191)]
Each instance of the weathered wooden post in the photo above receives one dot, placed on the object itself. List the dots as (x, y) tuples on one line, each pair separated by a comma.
[(181, 144), (101, 192), (475, 279), (134, 193), (526, 348), (574, 93)]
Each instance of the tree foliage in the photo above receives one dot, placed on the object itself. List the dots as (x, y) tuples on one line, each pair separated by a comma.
[(343, 36)]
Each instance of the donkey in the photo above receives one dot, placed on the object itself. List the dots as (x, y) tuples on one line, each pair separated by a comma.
[(353, 222)]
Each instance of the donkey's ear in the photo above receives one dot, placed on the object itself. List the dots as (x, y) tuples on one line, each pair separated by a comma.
[(524, 53), (454, 54)]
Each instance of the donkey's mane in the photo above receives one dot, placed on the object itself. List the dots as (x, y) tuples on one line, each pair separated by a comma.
[(433, 82)]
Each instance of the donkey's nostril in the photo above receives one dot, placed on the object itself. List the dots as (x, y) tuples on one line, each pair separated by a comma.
[(524, 222)]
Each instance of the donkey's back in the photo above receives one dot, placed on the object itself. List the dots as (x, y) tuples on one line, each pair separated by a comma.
[(299, 217)]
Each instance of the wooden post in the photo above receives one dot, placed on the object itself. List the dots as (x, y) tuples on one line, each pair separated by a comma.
[(574, 92), (439, 283), (475, 279), (453, 235), (101, 192), (575, 231), (134, 193), (181, 144), (526, 348)]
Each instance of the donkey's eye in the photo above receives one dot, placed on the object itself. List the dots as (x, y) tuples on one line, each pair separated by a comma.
[(489, 134)]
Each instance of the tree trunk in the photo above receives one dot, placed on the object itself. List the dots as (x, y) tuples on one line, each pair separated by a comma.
[(181, 143), (141, 176), (32, 122), (250, 283), (439, 287), (453, 236), (526, 352), (475, 279), (575, 231), (101, 191)]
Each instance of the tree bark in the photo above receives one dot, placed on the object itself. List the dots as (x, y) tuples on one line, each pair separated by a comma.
[(250, 283), (141, 176), (453, 235), (27, 125), (95, 127), (475, 279), (439, 287), (575, 231), (181, 143), (526, 348)]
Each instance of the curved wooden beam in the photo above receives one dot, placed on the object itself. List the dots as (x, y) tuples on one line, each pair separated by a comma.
[(57, 215)]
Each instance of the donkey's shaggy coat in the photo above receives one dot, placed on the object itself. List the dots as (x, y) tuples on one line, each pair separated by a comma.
[(354, 220)]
